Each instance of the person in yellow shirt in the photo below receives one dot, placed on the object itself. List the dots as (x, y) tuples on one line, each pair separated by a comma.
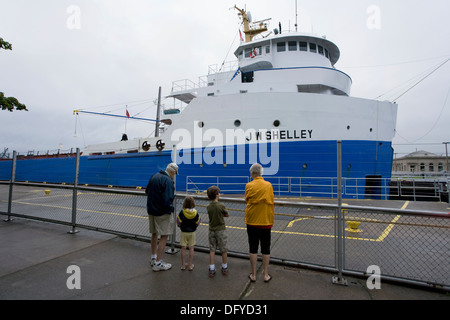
[(259, 218)]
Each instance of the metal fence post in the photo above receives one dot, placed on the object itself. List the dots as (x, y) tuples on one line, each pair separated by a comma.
[(11, 184), (448, 190), (75, 194), (172, 250), (340, 222)]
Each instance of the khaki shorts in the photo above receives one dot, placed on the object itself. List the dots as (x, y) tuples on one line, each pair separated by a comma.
[(161, 225), (218, 240), (187, 239)]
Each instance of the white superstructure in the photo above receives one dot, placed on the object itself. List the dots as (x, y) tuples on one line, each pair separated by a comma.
[(282, 86)]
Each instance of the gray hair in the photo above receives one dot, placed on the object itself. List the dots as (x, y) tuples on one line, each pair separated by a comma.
[(257, 169), (172, 167)]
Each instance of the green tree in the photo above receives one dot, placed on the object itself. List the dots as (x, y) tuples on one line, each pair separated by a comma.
[(5, 45), (9, 103)]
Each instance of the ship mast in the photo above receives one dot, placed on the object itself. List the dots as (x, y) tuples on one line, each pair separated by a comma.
[(250, 33)]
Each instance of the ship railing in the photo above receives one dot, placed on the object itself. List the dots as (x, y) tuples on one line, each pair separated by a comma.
[(187, 84), (327, 187), (183, 85), (227, 66)]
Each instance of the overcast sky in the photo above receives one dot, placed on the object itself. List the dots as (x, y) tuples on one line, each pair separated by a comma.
[(103, 55)]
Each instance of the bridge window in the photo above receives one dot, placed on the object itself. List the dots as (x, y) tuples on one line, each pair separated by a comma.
[(321, 50), (292, 45), (303, 46), (253, 52), (281, 46), (313, 47)]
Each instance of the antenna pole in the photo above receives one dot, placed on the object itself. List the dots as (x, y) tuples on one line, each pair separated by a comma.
[(158, 112), (296, 14), (250, 33)]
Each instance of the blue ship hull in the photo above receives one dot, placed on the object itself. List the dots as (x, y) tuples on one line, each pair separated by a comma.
[(303, 162)]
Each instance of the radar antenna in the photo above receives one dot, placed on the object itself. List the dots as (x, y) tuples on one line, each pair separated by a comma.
[(256, 28)]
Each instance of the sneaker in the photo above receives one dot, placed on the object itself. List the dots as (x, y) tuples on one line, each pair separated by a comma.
[(152, 262), (161, 266), (212, 273), (225, 271)]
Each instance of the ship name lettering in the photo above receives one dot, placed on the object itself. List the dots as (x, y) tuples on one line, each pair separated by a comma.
[(286, 134)]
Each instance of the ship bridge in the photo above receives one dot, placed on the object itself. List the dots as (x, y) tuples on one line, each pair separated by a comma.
[(297, 60), (287, 51), (281, 62)]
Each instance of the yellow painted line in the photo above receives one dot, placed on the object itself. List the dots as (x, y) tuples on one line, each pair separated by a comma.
[(391, 225), (78, 209), (50, 196), (298, 233), (380, 239), (290, 224)]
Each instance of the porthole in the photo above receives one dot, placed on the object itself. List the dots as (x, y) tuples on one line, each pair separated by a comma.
[(348, 127), (276, 123), (237, 123), (201, 124)]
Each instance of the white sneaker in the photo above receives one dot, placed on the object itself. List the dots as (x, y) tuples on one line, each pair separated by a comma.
[(161, 266), (152, 262)]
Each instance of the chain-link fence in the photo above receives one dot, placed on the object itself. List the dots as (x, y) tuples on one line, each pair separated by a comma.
[(408, 246)]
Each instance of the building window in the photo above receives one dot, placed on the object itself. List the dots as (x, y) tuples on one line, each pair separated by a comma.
[(440, 167), (431, 167), (422, 167), (281, 46)]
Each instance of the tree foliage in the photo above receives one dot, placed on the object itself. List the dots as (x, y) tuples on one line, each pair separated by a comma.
[(9, 103), (5, 45)]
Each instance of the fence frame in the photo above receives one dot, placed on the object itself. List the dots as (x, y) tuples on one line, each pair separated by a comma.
[(340, 251)]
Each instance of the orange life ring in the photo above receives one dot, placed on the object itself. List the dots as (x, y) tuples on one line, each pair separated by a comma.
[(253, 53)]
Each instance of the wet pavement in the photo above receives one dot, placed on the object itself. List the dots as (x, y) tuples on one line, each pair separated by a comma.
[(37, 262)]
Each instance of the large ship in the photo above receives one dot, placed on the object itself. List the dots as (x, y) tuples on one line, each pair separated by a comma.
[(282, 103)]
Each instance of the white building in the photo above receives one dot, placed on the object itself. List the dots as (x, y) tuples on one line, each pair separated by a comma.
[(420, 161)]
